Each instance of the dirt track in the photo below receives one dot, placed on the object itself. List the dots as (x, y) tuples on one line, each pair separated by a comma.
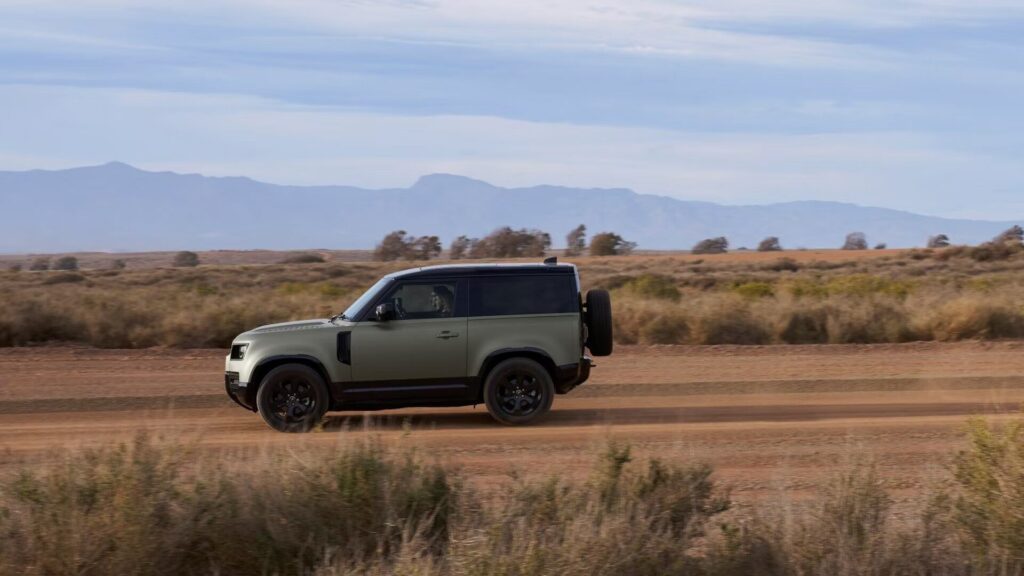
[(770, 419)]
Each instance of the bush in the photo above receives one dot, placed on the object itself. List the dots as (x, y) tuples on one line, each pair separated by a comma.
[(118, 264), (782, 265), (769, 244), (754, 289), (666, 328), (303, 258), (855, 241), (66, 263), (14, 268), (398, 245), (610, 244), (718, 245), (938, 241), (730, 323), (40, 264), (186, 259), (653, 286)]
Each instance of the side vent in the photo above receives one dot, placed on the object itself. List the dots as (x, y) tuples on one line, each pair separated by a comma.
[(345, 348)]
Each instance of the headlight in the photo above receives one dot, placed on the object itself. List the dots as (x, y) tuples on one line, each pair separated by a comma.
[(238, 351)]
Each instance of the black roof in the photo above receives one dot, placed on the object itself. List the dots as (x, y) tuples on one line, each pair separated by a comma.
[(449, 270)]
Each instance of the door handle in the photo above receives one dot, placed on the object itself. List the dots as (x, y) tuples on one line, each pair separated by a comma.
[(446, 334)]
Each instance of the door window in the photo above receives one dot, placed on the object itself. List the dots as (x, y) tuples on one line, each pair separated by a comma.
[(421, 300)]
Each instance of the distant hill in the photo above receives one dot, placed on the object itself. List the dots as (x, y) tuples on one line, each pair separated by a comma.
[(118, 207)]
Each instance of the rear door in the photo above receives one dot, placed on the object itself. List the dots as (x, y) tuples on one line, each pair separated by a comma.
[(421, 354)]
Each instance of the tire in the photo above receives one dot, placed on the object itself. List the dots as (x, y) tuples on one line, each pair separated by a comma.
[(518, 391), (292, 398), (599, 322)]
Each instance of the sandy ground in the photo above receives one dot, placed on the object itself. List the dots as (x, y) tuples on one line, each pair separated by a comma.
[(775, 421)]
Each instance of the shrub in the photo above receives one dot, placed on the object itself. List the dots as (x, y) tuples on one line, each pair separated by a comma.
[(754, 289), (976, 318), (303, 258), (729, 323), (40, 264), (610, 244), (666, 328), (717, 245), (938, 241), (186, 259), (769, 244), (118, 264), (881, 246), (14, 268), (653, 286), (782, 265), (1013, 235), (66, 278), (66, 263), (855, 241)]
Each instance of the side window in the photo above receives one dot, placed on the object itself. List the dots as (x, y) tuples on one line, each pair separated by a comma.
[(536, 294), (418, 300)]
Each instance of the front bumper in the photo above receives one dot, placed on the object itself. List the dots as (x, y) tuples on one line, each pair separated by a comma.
[(238, 391)]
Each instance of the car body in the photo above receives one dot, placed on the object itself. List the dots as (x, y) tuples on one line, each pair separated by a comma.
[(425, 337)]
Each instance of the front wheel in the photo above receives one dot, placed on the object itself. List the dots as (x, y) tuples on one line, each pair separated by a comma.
[(292, 398), (518, 391)]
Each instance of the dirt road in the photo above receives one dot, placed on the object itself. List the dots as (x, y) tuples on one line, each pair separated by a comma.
[(771, 419)]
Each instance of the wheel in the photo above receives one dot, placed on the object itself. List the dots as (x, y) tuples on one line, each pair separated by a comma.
[(518, 390), (599, 322), (292, 398)]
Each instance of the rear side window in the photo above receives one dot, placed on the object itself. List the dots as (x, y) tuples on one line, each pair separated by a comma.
[(508, 295)]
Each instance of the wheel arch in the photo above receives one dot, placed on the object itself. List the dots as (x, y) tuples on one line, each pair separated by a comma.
[(264, 366), (496, 357)]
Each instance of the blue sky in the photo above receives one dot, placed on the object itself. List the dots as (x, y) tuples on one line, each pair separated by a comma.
[(910, 105)]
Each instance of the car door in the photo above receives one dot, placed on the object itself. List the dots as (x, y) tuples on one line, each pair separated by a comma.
[(418, 355)]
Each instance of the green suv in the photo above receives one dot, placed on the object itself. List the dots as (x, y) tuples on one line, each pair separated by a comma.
[(510, 336)]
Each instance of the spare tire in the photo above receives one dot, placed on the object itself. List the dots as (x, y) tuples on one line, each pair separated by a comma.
[(599, 322)]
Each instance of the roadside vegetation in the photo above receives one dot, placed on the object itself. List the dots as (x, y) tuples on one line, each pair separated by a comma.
[(155, 507), (772, 297)]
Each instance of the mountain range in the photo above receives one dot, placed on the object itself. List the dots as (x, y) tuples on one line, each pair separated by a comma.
[(117, 207)]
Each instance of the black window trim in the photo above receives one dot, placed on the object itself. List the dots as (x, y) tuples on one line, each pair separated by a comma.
[(461, 296)]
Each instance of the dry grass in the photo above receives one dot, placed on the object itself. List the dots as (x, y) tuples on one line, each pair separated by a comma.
[(157, 508), (794, 297)]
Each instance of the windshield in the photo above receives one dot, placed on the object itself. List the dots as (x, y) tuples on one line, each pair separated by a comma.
[(367, 297)]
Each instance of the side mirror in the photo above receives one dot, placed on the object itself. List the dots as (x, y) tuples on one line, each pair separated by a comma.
[(384, 312)]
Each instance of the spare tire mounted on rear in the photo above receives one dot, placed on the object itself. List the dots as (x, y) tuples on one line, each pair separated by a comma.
[(598, 316)]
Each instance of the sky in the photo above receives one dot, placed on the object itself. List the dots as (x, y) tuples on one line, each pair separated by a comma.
[(911, 105)]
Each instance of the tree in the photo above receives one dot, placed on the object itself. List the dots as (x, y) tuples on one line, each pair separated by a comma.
[(424, 248), (719, 245), (938, 241), (186, 259), (881, 246), (576, 241), (1014, 235), (458, 248), (40, 264), (508, 243), (66, 263), (399, 245), (769, 244), (392, 247), (856, 241), (610, 244)]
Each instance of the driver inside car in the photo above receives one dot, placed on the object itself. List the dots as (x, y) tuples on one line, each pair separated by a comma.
[(442, 300)]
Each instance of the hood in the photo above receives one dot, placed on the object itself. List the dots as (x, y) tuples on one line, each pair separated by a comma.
[(289, 326)]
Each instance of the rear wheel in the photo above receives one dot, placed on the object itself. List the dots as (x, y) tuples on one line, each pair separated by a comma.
[(599, 322), (518, 390), (292, 398)]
